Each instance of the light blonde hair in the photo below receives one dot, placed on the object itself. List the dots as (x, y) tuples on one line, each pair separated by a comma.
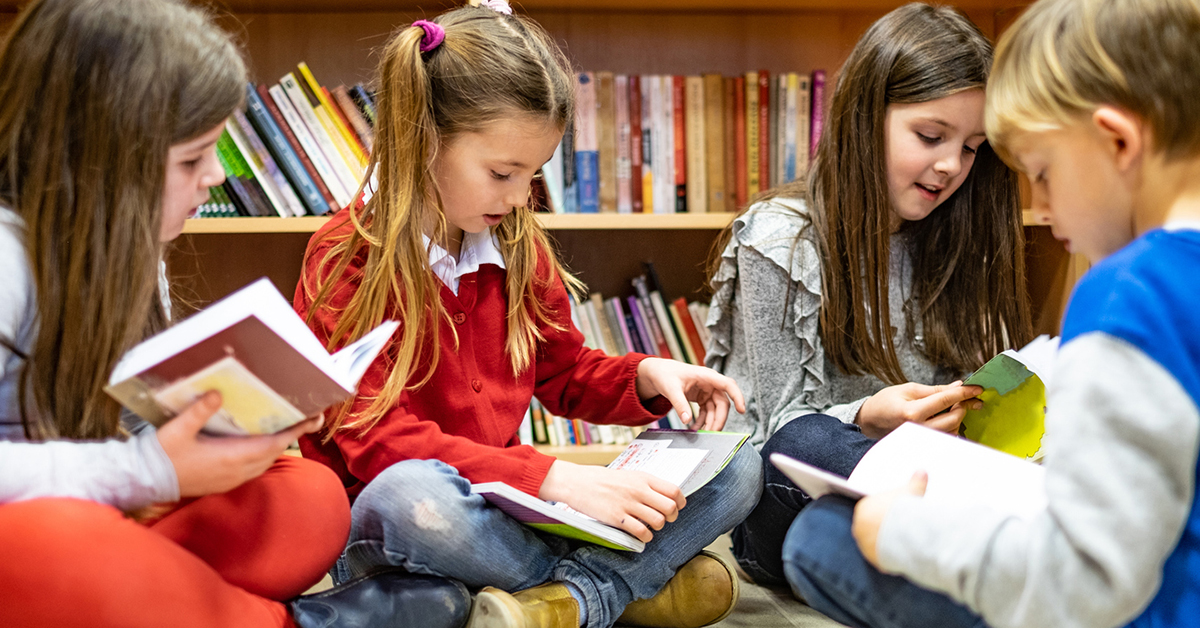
[(93, 93), (1064, 58), (490, 67)]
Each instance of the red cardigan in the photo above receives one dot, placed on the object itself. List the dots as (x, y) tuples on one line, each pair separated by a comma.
[(468, 414)]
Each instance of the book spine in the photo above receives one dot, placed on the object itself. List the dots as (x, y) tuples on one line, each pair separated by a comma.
[(729, 104), (753, 154), (789, 124), (714, 141), (285, 155), (552, 174), (328, 126), (648, 147), (569, 178), (365, 103), (353, 116), (623, 323), (616, 325), (635, 144), (273, 175), (324, 145), (606, 133), (647, 310), (803, 107), (689, 328), (664, 173), (323, 102), (764, 130), (818, 109), (624, 148), (685, 341), (679, 111), (238, 171), (587, 157), (584, 324), (781, 127), (668, 329), (773, 132), (268, 101), (697, 188), (699, 317), (309, 146), (637, 323)]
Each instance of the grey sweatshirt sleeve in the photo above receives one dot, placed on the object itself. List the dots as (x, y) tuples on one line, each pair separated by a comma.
[(1121, 451), (775, 353)]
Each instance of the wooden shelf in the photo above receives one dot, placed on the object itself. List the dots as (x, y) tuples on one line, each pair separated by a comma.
[(583, 454), (565, 222)]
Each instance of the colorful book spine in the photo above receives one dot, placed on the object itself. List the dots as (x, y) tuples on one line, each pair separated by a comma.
[(714, 141), (366, 104), (789, 125), (764, 133), (695, 145), (624, 164), (730, 102), (570, 180), (308, 116), (818, 108), (606, 134), (308, 144), (803, 131), (339, 130), (679, 124), (268, 101), (285, 156), (270, 175), (688, 327), (353, 116), (587, 148), (636, 182), (648, 147), (753, 154)]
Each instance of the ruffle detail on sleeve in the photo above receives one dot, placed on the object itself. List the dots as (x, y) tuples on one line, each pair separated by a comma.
[(770, 228)]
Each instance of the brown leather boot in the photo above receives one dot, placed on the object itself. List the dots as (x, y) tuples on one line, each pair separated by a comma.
[(546, 606), (703, 591)]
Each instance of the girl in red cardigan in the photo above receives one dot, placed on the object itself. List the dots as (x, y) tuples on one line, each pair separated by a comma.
[(471, 104)]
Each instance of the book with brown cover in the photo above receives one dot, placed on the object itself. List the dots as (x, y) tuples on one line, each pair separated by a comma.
[(764, 130), (606, 135), (696, 144), (714, 140), (753, 154), (635, 144), (728, 111), (624, 160), (679, 110), (689, 329)]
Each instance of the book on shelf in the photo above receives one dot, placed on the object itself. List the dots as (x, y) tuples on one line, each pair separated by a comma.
[(686, 459), (764, 133), (696, 145), (679, 162), (606, 135), (753, 154), (1013, 416), (803, 124), (636, 176), (289, 161), (624, 145), (587, 145), (960, 472), (251, 347), (817, 111), (714, 141)]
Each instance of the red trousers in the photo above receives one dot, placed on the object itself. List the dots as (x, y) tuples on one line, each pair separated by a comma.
[(218, 561)]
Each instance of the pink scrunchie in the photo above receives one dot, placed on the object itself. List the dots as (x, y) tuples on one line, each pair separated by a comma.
[(434, 35)]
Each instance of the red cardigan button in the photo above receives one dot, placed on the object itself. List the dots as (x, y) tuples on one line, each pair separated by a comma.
[(476, 385), (460, 318)]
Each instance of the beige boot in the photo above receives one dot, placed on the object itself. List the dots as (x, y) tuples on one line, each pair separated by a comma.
[(703, 591), (546, 606)]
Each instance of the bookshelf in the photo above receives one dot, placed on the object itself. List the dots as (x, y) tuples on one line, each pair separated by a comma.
[(338, 39)]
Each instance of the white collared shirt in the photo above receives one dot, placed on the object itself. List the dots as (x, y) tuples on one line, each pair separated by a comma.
[(477, 249)]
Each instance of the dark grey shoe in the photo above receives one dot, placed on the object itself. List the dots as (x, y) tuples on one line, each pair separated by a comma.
[(386, 598)]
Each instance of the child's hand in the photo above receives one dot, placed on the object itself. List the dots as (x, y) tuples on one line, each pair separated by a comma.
[(681, 383), (214, 464), (631, 500), (870, 511), (887, 409)]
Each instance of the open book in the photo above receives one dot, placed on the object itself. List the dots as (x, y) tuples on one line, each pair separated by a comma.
[(1013, 416), (684, 458), (960, 472), (254, 349)]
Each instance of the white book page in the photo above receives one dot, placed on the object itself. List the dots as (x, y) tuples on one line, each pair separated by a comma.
[(959, 471), (352, 361), (1038, 356)]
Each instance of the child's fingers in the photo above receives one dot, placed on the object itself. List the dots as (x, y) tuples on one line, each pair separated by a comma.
[(669, 491), (674, 394), (635, 527), (948, 422), (189, 422), (944, 398), (306, 426)]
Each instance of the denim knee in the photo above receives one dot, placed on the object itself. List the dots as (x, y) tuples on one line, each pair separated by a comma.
[(413, 498), (745, 485)]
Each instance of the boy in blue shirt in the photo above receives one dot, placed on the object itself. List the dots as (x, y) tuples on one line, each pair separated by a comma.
[(1098, 101)]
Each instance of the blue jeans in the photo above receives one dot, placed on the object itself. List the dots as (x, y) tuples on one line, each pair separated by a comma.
[(826, 569), (420, 515), (817, 439)]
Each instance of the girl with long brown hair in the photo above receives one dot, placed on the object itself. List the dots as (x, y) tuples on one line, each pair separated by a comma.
[(843, 300), (110, 111), (471, 104)]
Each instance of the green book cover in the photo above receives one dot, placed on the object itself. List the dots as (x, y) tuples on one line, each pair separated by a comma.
[(1013, 416)]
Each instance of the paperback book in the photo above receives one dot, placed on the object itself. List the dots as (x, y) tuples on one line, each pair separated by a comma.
[(1013, 416), (251, 347), (685, 458)]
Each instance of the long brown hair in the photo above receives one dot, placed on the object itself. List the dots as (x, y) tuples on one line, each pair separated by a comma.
[(490, 67), (967, 256), (92, 95)]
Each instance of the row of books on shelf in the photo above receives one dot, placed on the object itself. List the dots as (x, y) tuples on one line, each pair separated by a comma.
[(643, 322), (672, 143), (297, 149)]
